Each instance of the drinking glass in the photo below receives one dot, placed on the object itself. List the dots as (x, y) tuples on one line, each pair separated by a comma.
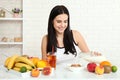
[(52, 60)]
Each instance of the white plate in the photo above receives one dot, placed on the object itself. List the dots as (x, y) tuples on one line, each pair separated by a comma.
[(75, 69), (92, 58), (40, 69)]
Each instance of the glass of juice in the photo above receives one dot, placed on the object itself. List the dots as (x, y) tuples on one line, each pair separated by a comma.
[(52, 60)]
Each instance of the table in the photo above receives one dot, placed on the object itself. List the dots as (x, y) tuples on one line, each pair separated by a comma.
[(62, 73)]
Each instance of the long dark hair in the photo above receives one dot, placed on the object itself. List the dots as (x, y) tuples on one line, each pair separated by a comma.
[(68, 37)]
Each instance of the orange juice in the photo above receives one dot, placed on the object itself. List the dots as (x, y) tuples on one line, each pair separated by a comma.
[(52, 60)]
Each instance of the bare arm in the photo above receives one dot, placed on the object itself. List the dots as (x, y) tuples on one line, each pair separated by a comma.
[(80, 41), (82, 44), (44, 47)]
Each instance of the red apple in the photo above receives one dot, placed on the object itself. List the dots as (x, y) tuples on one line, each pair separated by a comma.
[(91, 66), (46, 70)]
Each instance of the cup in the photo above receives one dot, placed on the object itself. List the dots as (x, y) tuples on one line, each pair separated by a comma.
[(52, 60)]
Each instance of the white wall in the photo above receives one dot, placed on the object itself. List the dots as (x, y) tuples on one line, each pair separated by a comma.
[(97, 20)]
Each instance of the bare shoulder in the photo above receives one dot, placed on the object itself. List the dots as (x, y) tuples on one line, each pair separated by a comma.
[(79, 40), (44, 37), (77, 36), (76, 33)]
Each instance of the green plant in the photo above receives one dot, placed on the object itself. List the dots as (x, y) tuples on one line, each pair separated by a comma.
[(16, 10)]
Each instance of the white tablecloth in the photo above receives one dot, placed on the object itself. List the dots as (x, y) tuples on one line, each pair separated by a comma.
[(62, 73)]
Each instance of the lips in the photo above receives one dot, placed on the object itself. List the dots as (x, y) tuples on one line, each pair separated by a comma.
[(61, 28)]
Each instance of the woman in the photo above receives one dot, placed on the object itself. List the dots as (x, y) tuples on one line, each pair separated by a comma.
[(60, 37)]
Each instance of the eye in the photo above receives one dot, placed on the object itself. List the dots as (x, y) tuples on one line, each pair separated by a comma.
[(58, 21), (66, 21)]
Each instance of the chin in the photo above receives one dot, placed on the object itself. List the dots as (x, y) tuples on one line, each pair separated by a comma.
[(61, 32)]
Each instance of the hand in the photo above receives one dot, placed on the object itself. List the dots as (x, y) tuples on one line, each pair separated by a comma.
[(94, 53)]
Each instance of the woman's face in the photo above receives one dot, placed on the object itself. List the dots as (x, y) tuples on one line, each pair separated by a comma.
[(60, 23)]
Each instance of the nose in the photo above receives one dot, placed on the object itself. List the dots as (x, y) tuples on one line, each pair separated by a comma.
[(62, 24)]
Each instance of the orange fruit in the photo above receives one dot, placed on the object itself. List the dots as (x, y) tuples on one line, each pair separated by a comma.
[(34, 60), (35, 72), (103, 63), (42, 64)]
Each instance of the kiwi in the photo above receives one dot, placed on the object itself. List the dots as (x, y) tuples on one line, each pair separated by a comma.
[(107, 69)]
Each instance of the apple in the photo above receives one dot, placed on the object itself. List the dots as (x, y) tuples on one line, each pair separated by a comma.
[(35, 72), (47, 70), (91, 66), (99, 70)]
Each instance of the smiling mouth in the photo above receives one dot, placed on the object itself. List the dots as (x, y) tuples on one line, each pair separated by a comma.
[(61, 29)]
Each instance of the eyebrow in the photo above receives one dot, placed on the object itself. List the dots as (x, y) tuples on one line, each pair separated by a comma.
[(60, 20)]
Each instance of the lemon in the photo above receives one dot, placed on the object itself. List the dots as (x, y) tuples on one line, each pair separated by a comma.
[(114, 68), (23, 69), (41, 64)]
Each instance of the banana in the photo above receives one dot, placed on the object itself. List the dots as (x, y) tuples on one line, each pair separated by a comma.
[(16, 68), (19, 64), (7, 61), (24, 60), (11, 62)]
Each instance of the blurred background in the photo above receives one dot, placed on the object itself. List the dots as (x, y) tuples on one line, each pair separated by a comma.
[(97, 20)]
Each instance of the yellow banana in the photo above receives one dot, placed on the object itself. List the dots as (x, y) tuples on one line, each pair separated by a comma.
[(23, 64), (16, 68), (25, 60), (11, 61), (7, 61)]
